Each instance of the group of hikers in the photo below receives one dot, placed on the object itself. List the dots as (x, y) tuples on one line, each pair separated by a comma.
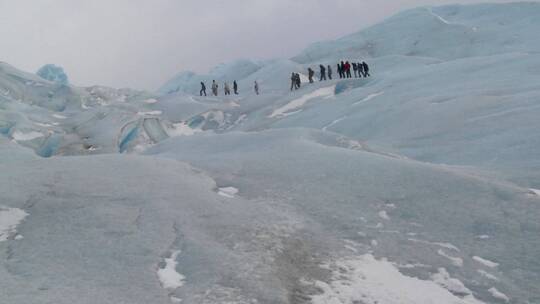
[(345, 70), (360, 69), (226, 88)]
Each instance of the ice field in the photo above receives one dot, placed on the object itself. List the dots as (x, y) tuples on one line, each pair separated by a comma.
[(416, 185)]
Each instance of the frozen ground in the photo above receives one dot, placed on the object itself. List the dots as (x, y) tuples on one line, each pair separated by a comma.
[(414, 186)]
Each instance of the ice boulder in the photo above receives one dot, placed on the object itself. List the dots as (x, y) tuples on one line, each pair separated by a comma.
[(53, 73)]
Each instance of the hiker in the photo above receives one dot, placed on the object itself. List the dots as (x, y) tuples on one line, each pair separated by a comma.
[(226, 89), (360, 69), (214, 88), (340, 70), (311, 73), (294, 83), (329, 72), (355, 69), (256, 87), (235, 88), (323, 73), (298, 81), (366, 69), (348, 69), (203, 89)]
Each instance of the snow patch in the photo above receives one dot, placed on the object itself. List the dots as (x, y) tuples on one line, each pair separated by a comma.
[(483, 237), (10, 218), (368, 98), (333, 123), (298, 103), (20, 136), (181, 129), (455, 286), (443, 245), (498, 295), (487, 275), (438, 17), (458, 262), (228, 192), (45, 125), (485, 262), (151, 101), (384, 215), (535, 192), (351, 245), (58, 116), (365, 279), (168, 276), (151, 113)]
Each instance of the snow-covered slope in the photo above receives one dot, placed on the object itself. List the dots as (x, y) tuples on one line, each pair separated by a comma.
[(412, 186), (448, 32)]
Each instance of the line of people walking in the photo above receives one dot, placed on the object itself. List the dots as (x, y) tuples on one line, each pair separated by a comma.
[(226, 88), (345, 70), (360, 69)]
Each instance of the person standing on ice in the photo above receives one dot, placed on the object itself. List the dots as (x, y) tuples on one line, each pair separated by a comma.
[(323, 73), (226, 89), (348, 69), (214, 88), (366, 69), (298, 81), (360, 69), (311, 73), (355, 69), (329, 72), (203, 89), (256, 87), (339, 70), (235, 88), (293, 81)]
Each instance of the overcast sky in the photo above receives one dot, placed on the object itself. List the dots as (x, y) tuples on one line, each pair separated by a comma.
[(143, 43)]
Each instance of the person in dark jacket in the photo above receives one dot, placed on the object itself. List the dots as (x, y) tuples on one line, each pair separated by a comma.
[(323, 72), (294, 83), (360, 69), (355, 69), (341, 67), (329, 72), (203, 89), (366, 69), (298, 81), (235, 88), (311, 73), (256, 87)]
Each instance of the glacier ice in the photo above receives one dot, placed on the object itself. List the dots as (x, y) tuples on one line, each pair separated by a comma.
[(413, 186), (53, 73)]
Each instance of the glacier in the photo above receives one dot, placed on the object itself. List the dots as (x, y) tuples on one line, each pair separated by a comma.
[(412, 186), (53, 73)]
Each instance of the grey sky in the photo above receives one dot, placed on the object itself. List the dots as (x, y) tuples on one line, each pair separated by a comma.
[(142, 43)]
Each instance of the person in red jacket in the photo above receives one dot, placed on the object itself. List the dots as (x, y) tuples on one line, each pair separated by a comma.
[(348, 69)]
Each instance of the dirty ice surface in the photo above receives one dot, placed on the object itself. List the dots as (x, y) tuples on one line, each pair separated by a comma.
[(415, 185)]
